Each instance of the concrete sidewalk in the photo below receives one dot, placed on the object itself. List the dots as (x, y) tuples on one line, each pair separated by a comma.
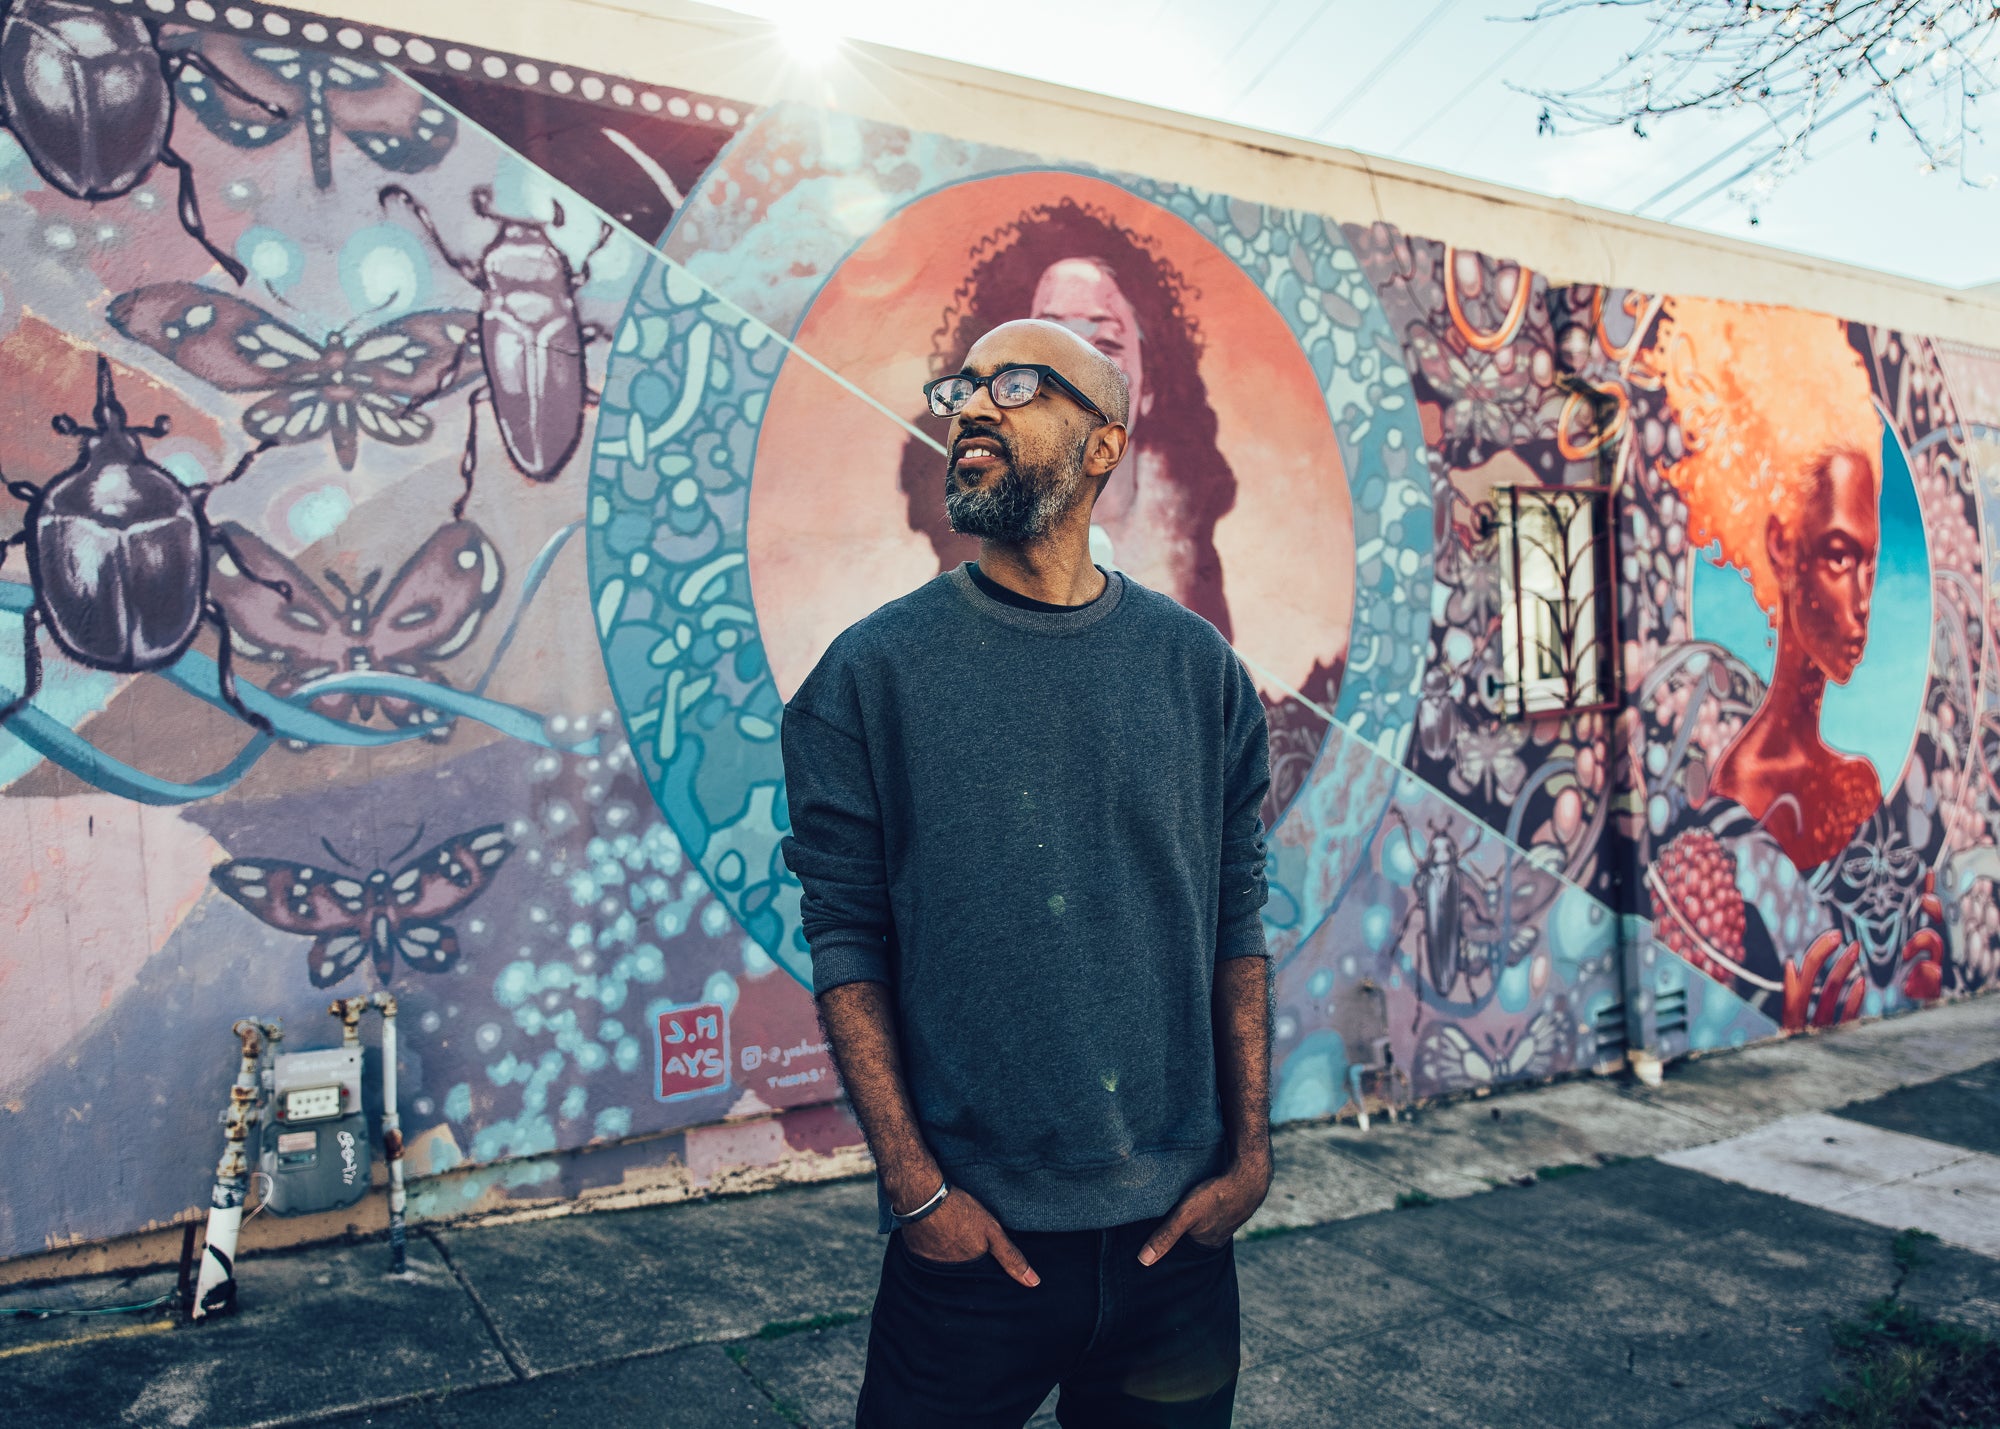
[(1547, 1269)]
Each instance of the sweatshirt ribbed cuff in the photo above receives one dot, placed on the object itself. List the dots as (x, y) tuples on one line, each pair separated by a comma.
[(849, 960), (1243, 938)]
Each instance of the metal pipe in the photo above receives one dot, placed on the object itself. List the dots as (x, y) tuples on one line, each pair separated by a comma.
[(215, 1291), (349, 1010), (392, 1133)]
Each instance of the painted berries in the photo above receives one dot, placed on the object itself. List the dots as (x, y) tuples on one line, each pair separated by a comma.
[(1695, 878)]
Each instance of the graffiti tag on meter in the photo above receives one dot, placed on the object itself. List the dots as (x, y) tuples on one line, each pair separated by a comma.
[(693, 1046)]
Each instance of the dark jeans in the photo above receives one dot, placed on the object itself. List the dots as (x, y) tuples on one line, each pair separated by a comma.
[(963, 1345)]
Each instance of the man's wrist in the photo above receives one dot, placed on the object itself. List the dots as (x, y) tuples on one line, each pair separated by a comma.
[(1251, 1162), (913, 1214), (910, 1186)]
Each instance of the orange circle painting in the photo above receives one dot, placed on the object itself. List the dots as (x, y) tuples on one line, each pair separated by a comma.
[(1232, 497)]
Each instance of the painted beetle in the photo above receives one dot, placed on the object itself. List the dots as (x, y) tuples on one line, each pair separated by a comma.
[(1445, 689), (90, 95), (118, 555), (1444, 899), (531, 339), (1459, 934)]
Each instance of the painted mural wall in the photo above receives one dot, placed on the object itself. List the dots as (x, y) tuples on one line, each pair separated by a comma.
[(432, 470)]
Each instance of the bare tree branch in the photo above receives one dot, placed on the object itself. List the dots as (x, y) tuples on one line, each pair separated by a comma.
[(1922, 64)]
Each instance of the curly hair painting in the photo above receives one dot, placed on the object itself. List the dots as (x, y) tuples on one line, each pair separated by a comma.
[(1076, 264), (1781, 480)]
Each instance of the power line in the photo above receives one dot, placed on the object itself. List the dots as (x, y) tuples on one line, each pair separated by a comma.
[(1756, 164), (1696, 172), (1282, 51), (1252, 28), (1527, 33), (1388, 62)]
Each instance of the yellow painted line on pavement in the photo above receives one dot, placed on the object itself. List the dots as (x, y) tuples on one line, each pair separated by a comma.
[(151, 1327)]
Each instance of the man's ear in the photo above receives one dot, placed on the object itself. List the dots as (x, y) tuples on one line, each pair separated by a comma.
[(1107, 449)]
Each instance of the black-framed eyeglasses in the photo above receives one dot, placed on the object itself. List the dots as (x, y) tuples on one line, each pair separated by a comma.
[(1011, 387)]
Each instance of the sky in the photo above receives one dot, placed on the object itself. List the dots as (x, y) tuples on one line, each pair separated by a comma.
[(1428, 82)]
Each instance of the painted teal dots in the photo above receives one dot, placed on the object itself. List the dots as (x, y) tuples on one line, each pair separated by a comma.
[(1399, 859), (1670, 974), (515, 984), (1321, 982), (729, 870), (1580, 929), (625, 1056), (1658, 813), (573, 1102), (1375, 925), (619, 932), (1313, 1080), (535, 1097), (648, 965), (720, 987), (458, 1102)]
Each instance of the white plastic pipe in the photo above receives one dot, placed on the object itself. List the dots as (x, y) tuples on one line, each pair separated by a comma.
[(215, 1289), (392, 1135)]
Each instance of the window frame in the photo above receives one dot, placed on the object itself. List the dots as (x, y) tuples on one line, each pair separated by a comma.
[(1518, 699)]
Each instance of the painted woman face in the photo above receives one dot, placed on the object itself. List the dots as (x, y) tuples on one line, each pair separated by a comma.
[(1081, 294), (1825, 558)]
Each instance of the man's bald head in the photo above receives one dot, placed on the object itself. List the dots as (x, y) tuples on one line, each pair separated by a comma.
[(1053, 345), (1016, 474)]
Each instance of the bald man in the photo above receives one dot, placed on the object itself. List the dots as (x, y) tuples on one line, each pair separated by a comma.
[(1024, 808)]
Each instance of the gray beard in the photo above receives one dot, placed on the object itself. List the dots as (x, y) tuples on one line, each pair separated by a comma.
[(1013, 511)]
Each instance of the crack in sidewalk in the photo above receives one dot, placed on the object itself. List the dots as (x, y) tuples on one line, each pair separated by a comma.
[(516, 1361)]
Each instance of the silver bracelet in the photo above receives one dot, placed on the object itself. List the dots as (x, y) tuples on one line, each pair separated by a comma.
[(936, 1200)]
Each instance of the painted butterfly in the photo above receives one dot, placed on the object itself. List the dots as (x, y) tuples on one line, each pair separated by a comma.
[(340, 387), (1448, 1059), (430, 611), (370, 915), (395, 124)]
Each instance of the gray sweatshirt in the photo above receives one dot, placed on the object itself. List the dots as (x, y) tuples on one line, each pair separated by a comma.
[(1041, 830)]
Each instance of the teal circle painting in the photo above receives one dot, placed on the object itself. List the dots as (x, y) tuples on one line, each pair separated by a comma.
[(695, 361)]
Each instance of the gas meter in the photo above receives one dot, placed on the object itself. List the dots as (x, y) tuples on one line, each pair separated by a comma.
[(315, 1143), (313, 1149)]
